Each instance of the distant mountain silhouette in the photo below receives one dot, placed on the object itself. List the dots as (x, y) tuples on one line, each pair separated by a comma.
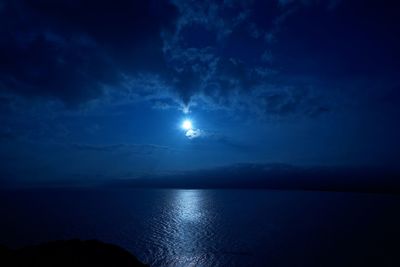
[(69, 253), (276, 176)]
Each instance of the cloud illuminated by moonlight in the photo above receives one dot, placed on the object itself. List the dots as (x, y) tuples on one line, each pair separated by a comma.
[(193, 133)]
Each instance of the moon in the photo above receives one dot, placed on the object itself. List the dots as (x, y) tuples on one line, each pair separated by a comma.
[(187, 125)]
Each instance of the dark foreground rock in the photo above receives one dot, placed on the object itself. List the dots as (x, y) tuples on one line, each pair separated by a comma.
[(68, 253)]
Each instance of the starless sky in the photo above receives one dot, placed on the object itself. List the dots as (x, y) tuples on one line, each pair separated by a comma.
[(99, 89)]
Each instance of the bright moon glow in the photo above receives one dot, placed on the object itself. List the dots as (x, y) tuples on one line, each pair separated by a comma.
[(187, 125)]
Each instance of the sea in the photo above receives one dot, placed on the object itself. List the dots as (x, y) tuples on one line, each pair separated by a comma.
[(210, 227)]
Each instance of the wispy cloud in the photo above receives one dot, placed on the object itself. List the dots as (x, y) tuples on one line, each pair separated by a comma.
[(141, 149)]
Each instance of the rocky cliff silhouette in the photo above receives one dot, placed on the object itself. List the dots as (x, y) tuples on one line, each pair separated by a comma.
[(69, 253)]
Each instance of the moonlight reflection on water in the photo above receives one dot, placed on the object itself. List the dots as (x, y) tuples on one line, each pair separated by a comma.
[(188, 205), (188, 229)]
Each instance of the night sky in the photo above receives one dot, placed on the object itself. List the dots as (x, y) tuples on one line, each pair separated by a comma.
[(93, 91)]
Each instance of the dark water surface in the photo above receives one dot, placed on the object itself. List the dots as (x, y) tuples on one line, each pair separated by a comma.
[(172, 227)]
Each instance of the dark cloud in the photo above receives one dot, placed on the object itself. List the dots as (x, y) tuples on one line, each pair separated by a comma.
[(232, 55), (229, 142), (288, 101), (76, 50), (137, 149), (7, 136), (199, 137), (71, 50), (391, 97), (235, 69), (6, 104)]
